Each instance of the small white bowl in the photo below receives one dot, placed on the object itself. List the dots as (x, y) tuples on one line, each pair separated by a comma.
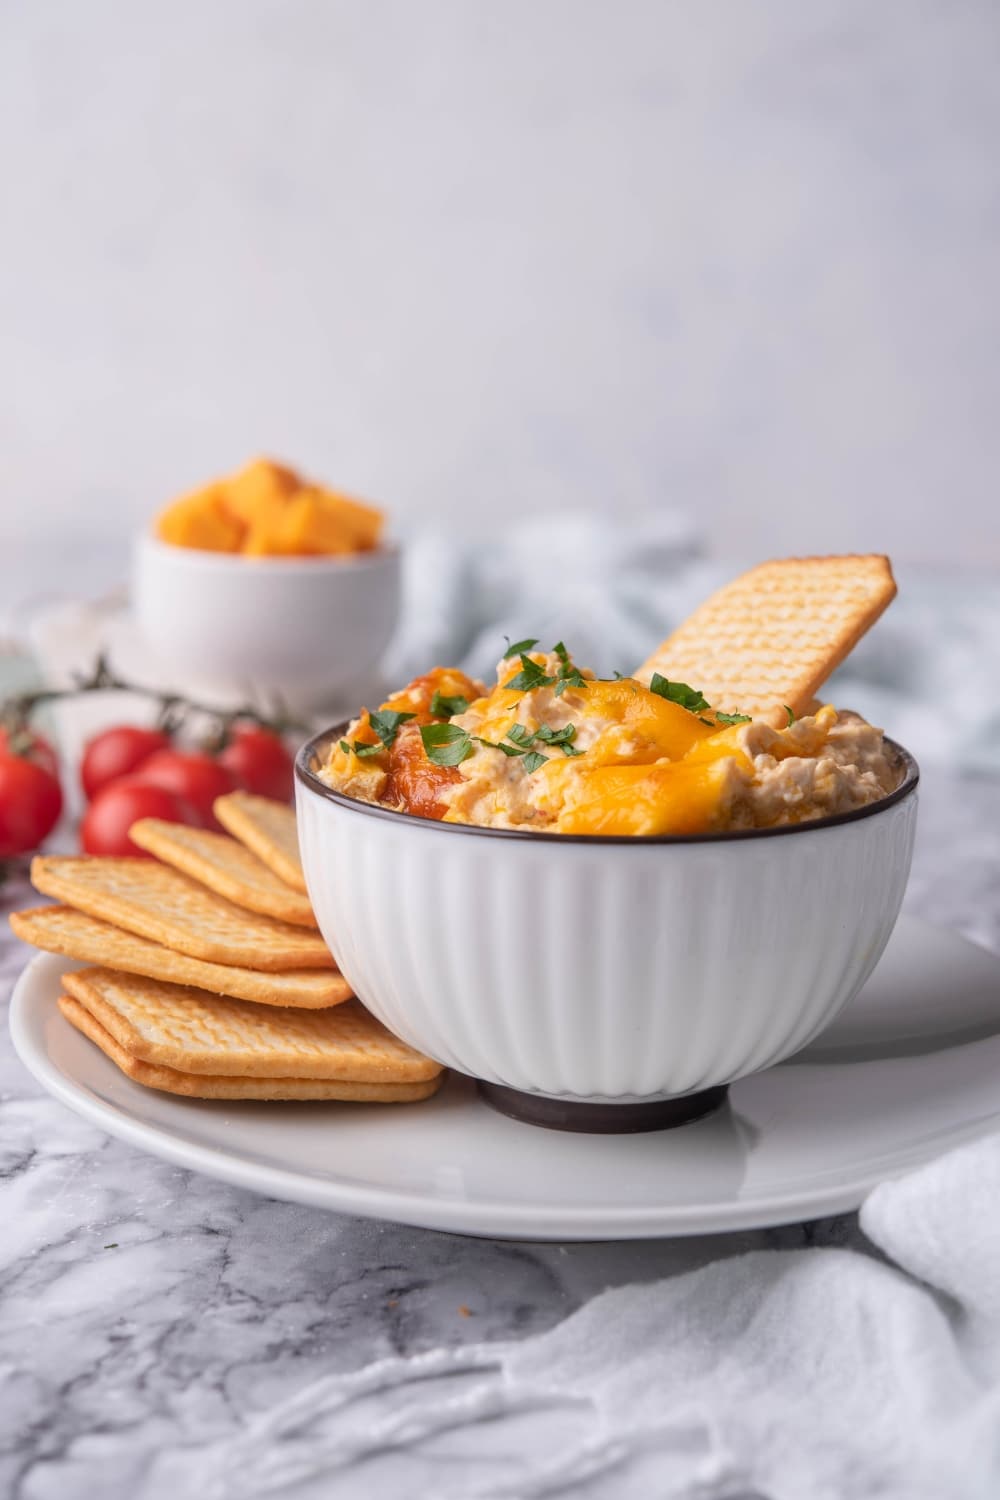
[(603, 971), (303, 628)]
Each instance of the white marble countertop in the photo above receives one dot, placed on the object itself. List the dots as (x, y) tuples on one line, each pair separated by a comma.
[(144, 1308)]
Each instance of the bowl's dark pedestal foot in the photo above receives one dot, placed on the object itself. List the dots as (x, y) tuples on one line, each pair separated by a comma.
[(601, 1119)]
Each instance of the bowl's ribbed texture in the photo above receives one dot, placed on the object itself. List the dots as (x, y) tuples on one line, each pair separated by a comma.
[(622, 971)]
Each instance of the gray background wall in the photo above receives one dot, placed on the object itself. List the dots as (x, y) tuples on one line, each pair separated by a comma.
[(478, 259)]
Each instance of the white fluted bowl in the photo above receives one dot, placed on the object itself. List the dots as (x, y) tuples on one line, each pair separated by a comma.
[(603, 969)]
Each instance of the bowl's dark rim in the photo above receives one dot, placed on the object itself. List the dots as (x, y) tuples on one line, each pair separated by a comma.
[(311, 781)]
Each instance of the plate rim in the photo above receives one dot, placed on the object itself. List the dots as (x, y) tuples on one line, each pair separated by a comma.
[(481, 1218)]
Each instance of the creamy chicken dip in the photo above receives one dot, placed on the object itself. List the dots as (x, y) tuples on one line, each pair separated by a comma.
[(555, 749)]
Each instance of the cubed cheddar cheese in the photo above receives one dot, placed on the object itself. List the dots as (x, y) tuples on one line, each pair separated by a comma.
[(259, 490), (297, 530), (362, 524), (201, 520), (268, 510)]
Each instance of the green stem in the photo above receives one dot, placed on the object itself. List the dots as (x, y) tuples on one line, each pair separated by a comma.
[(174, 708)]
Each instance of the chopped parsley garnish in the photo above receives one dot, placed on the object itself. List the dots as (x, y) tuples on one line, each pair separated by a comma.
[(552, 736), (569, 676), (443, 707), (678, 692), (361, 750), (694, 701), (385, 722), (508, 750), (791, 716), (446, 744), (530, 676), (519, 646), (449, 744), (522, 739), (519, 735)]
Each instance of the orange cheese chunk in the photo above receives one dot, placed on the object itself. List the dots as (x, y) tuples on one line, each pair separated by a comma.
[(667, 797), (202, 521), (655, 726), (300, 528), (268, 510), (259, 489), (361, 523)]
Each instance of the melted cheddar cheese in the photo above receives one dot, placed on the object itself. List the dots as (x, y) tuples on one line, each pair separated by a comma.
[(565, 752)]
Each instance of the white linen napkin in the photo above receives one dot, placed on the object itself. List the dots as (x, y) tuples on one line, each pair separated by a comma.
[(828, 1373)]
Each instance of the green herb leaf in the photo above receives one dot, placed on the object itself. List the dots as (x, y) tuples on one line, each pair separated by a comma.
[(569, 676), (561, 652), (791, 716), (446, 708), (530, 676), (445, 744), (362, 751), (386, 722), (519, 646), (551, 736), (570, 750), (732, 718), (678, 692), (518, 734), (533, 760), (493, 745)]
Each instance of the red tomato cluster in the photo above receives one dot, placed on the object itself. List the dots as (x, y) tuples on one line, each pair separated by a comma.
[(129, 773)]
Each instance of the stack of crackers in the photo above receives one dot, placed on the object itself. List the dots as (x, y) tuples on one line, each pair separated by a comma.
[(210, 977)]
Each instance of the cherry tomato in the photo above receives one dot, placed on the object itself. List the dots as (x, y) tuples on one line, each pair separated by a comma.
[(260, 762), (116, 807), (30, 804), (118, 752), (189, 774), (32, 746)]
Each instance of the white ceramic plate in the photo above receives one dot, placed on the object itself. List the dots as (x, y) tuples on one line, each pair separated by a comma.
[(911, 1068)]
